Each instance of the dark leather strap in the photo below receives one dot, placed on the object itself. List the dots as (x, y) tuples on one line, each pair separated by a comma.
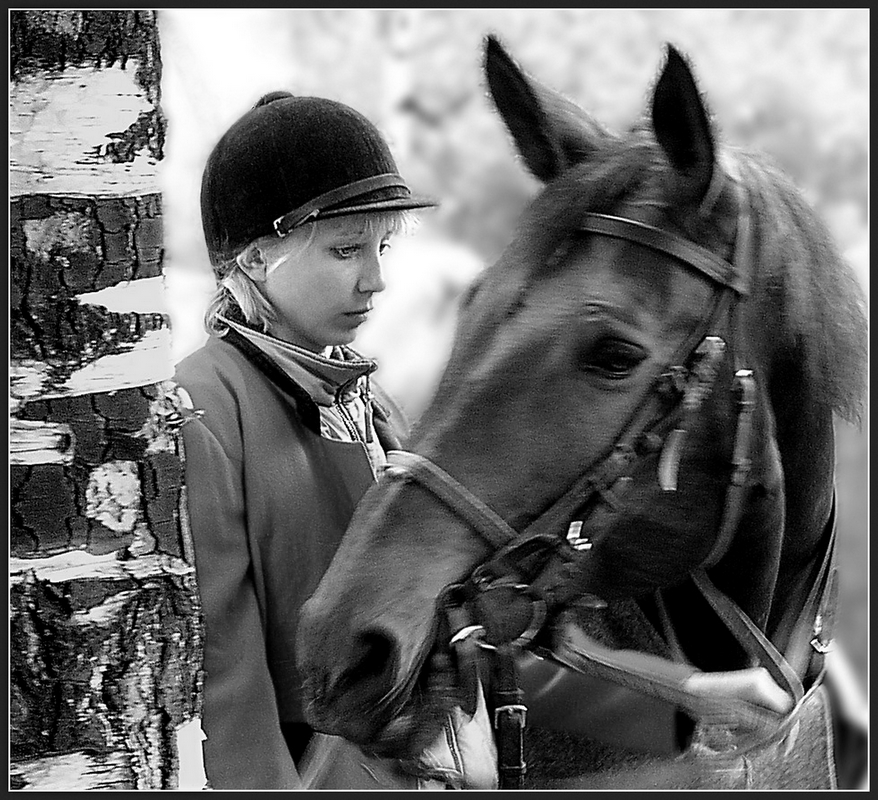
[(510, 719), (695, 256), (457, 497), (665, 679), (812, 632), (656, 677), (298, 216), (745, 402), (755, 643)]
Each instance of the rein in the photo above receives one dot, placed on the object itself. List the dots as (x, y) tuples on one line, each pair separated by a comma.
[(534, 573)]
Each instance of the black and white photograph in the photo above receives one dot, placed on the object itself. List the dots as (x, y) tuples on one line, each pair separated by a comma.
[(411, 399)]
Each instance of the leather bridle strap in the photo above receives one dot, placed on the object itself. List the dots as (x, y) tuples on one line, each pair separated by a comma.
[(699, 258), (489, 524), (732, 279), (755, 643), (510, 719), (745, 388)]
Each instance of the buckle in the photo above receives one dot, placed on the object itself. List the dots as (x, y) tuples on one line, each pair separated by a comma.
[(476, 632), (485, 583), (277, 229), (574, 539), (282, 228), (516, 710)]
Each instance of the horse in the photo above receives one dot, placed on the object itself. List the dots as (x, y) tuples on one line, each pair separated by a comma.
[(625, 476)]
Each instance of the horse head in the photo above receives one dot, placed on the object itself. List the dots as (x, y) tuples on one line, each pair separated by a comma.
[(636, 390)]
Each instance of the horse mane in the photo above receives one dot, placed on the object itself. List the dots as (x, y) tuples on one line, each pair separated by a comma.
[(823, 306)]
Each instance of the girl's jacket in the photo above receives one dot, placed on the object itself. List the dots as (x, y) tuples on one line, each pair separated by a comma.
[(268, 501)]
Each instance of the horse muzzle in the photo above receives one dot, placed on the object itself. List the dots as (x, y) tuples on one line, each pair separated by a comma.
[(368, 696)]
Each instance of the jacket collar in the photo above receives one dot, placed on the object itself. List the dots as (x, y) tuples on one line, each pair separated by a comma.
[(325, 377)]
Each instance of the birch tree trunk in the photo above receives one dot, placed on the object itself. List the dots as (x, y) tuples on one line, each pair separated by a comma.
[(105, 622)]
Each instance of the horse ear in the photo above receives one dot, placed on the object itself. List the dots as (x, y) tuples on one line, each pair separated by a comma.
[(551, 133), (681, 124)]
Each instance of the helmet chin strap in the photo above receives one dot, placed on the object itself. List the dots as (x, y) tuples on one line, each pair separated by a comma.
[(304, 213)]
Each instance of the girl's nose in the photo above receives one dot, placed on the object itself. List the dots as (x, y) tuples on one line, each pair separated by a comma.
[(371, 276)]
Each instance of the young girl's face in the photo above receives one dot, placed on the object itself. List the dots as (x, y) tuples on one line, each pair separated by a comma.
[(323, 292)]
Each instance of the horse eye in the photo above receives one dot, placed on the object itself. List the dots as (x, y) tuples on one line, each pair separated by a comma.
[(613, 358)]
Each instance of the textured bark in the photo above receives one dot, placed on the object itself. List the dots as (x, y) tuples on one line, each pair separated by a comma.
[(101, 666), (105, 621)]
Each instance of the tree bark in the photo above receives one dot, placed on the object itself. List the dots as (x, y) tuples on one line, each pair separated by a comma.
[(105, 619)]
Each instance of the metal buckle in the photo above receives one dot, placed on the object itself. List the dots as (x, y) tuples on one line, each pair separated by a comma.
[(477, 632), (513, 710), (282, 233), (576, 541), (539, 610), (276, 226)]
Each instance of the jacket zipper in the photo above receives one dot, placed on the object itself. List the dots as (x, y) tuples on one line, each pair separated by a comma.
[(349, 422)]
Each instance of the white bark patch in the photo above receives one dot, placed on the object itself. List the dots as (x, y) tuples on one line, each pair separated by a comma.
[(77, 565), (34, 442), (142, 364), (107, 613), (72, 772), (143, 296), (113, 496), (70, 230), (146, 362), (26, 380), (57, 124)]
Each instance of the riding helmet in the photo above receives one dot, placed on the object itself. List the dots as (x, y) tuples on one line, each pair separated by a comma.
[(289, 160)]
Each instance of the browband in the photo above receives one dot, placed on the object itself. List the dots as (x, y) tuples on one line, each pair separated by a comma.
[(697, 257)]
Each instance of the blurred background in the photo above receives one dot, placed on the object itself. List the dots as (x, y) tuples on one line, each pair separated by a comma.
[(794, 82)]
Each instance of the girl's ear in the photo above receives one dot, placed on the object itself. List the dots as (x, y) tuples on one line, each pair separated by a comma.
[(252, 260)]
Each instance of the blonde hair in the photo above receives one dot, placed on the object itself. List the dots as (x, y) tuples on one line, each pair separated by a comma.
[(238, 294)]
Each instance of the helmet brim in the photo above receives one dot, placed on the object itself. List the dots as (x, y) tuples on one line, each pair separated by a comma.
[(390, 204)]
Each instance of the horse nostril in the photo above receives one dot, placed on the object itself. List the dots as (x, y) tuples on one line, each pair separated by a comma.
[(369, 675), (373, 655)]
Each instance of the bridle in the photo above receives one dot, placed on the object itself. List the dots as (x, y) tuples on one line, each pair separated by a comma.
[(533, 573)]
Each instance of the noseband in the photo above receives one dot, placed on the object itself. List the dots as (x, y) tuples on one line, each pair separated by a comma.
[(534, 572)]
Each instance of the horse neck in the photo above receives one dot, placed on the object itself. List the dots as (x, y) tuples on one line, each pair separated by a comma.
[(777, 547), (779, 543), (806, 441)]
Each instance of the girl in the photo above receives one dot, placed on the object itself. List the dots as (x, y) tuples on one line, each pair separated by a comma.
[(300, 199)]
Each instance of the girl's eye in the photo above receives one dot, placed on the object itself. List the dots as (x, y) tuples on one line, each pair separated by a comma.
[(346, 251), (613, 358)]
